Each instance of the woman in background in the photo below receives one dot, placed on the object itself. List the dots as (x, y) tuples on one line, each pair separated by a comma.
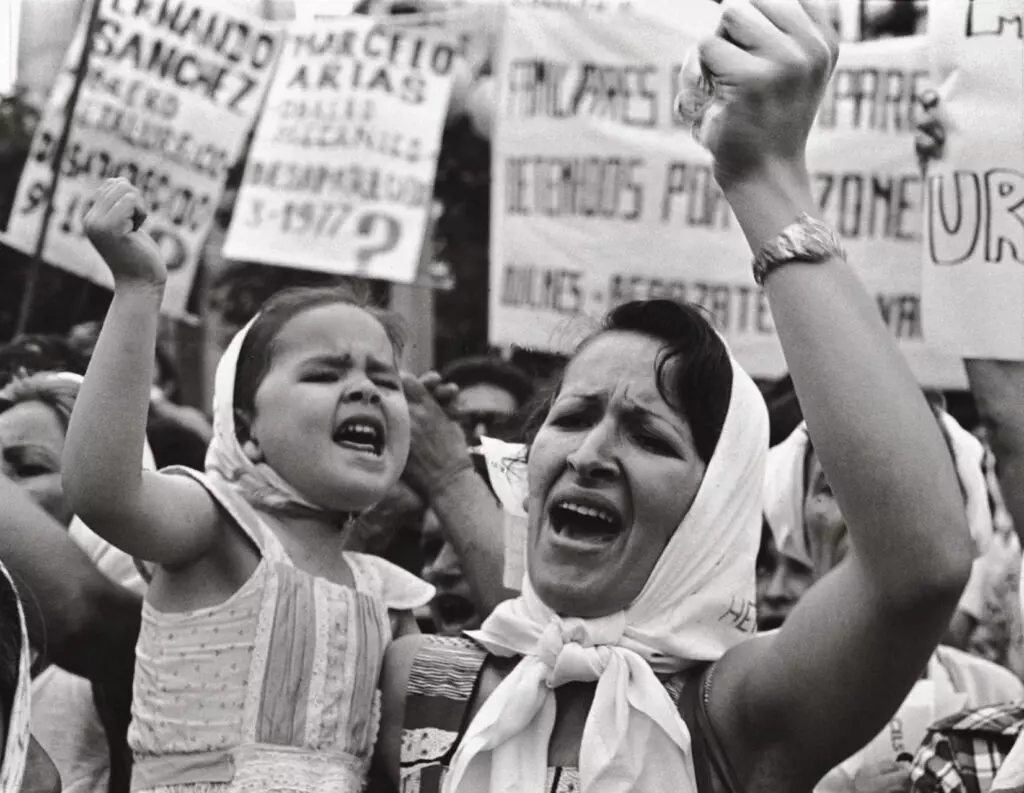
[(81, 721), (24, 765)]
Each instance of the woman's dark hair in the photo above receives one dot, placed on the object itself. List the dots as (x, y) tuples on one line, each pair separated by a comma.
[(257, 350), (693, 369)]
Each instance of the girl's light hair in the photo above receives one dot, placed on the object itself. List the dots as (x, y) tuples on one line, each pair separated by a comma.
[(56, 390)]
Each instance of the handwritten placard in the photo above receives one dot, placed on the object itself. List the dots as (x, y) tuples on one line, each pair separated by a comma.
[(340, 175), (974, 255), (600, 196), (868, 185), (169, 96)]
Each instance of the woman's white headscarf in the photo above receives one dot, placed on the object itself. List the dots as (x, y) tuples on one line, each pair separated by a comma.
[(257, 483), (698, 602), (14, 753), (784, 491)]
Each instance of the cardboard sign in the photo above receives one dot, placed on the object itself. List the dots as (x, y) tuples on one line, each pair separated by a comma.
[(167, 102), (974, 252), (341, 171), (601, 196)]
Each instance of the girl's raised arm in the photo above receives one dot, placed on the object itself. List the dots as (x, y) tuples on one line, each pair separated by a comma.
[(169, 520)]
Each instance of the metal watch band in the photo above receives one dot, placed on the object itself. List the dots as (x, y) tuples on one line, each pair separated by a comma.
[(806, 240)]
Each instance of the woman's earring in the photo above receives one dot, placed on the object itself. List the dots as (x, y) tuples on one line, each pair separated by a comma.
[(252, 452)]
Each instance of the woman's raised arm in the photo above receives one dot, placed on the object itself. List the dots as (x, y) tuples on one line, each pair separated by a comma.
[(850, 651)]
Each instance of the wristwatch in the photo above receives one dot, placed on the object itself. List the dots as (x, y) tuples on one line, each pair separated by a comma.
[(806, 240)]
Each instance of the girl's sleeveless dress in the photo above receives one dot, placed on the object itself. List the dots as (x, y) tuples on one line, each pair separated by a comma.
[(274, 689)]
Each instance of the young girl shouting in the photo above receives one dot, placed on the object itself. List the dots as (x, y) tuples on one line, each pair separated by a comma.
[(261, 640)]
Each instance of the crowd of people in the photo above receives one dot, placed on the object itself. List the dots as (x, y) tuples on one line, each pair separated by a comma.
[(304, 591)]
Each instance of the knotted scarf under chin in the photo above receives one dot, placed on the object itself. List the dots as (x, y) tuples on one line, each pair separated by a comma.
[(506, 746)]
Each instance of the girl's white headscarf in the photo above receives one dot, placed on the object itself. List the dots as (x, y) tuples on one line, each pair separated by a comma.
[(257, 483), (698, 602), (784, 490), (14, 754)]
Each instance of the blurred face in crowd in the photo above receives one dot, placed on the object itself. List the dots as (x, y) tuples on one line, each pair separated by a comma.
[(612, 473), (484, 409), (31, 445), (781, 582), (452, 608)]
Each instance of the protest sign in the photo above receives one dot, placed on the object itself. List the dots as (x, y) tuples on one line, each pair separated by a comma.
[(599, 195), (169, 96), (341, 171), (974, 252), (867, 181)]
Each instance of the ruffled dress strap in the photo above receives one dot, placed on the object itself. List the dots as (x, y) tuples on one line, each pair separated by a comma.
[(241, 512), (398, 589)]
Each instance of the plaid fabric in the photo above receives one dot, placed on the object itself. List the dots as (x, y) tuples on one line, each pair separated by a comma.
[(963, 753)]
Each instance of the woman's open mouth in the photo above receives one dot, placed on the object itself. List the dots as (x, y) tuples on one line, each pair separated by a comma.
[(585, 522), (363, 434)]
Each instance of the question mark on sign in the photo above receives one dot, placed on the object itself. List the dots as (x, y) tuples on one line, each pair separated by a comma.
[(172, 246), (367, 228)]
